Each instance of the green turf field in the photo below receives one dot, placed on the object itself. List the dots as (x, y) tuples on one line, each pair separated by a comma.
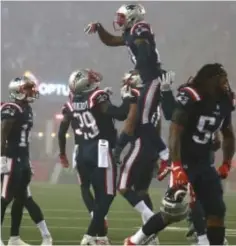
[(67, 218)]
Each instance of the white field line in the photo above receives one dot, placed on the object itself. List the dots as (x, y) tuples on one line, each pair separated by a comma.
[(229, 232)]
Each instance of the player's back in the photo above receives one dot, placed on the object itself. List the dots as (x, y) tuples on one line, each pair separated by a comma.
[(88, 121), (205, 117), (18, 138), (150, 69)]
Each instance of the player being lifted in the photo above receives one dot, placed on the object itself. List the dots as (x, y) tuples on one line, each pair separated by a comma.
[(17, 121), (97, 136), (202, 109)]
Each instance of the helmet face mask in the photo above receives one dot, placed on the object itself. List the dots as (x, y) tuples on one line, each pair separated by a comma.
[(133, 80)]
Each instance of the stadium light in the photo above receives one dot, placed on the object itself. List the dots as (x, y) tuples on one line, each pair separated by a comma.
[(40, 134), (53, 135)]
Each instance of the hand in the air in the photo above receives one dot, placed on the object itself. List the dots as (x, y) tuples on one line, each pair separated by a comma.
[(178, 174), (224, 170), (91, 28), (166, 81), (63, 160), (163, 170), (5, 164), (126, 92)]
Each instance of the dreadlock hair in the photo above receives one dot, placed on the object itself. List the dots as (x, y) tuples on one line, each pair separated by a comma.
[(207, 72)]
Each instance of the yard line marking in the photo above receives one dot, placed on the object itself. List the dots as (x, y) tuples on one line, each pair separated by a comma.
[(88, 218), (230, 232)]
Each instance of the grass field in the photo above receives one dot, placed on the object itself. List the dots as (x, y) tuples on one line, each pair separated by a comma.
[(67, 218)]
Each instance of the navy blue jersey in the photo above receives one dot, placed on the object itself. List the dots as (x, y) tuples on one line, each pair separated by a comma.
[(145, 57), (204, 119), (88, 122), (18, 138), (68, 111)]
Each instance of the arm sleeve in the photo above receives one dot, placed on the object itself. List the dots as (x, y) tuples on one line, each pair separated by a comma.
[(227, 121), (63, 128), (168, 104), (119, 112)]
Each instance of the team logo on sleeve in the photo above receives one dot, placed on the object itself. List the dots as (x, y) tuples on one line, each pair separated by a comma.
[(182, 98)]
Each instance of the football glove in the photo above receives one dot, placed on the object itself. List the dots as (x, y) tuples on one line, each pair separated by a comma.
[(91, 28), (63, 160), (166, 81), (163, 170), (5, 164), (224, 169), (179, 175)]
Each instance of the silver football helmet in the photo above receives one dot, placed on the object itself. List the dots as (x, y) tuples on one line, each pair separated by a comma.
[(174, 206), (84, 80), (133, 80), (127, 15), (23, 89)]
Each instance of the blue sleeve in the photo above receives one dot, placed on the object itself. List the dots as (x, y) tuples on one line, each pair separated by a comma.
[(168, 104), (119, 112)]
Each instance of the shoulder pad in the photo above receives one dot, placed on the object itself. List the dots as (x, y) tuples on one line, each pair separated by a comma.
[(187, 95), (97, 97), (10, 110), (67, 108), (141, 29)]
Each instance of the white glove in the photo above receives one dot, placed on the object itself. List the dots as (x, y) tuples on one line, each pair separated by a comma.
[(108, 90), (166, 81), (125, 91), (5, 164), (91, 28)]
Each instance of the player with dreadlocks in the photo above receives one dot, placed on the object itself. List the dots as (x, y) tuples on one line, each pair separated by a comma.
[(203, 107)]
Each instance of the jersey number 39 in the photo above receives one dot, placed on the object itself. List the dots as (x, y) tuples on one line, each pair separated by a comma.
[(87, 125)]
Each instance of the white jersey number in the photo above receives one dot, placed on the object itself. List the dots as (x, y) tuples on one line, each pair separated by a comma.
[(24, 136), (203, 122), (86, 121)]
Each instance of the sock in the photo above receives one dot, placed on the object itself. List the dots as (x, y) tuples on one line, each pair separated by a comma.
[(198, 219), (144, 210), (138, 237), (216, 235), (16, 217), (43, 229), (154, 225), (13, 238), (34, 210), (4, 204), (203, 240), (148, 201), (87, 198)]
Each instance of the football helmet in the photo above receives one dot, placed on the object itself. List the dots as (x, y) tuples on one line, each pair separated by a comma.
[(84, 80), (132, 80), (24, 89), (174, 205), (127, 15)]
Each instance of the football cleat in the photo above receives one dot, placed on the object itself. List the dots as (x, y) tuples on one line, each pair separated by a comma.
[(47, 241), (128, 242), (88, 240), (102, 241), (16, 241)]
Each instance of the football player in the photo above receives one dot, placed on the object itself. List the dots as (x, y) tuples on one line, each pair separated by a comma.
[(17, 121), (202, 109), (97, 136), (83, 178), (209, 102)]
